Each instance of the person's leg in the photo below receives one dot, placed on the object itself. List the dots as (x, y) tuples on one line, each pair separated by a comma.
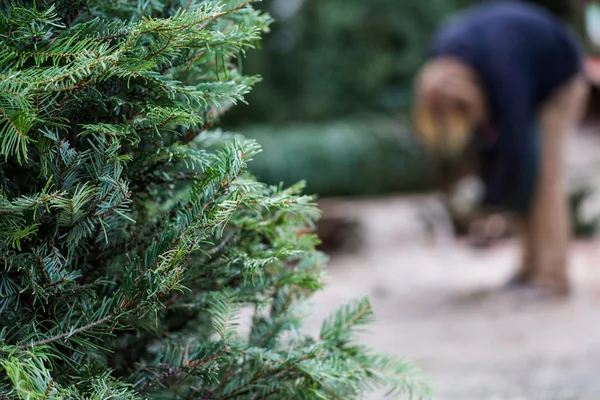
[(547, 225)]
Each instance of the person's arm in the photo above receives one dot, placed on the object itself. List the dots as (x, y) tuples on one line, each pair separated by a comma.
[(510, 179)]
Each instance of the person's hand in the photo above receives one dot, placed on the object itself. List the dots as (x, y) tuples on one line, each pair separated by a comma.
[(485, 231)]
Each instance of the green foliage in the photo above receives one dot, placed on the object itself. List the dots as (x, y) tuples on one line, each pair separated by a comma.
[(335, 58), (131, 235)]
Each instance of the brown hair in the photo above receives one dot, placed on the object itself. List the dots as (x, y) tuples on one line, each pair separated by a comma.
[(449, 104)]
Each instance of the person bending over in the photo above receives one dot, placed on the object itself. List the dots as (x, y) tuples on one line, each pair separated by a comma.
[(504, 82)]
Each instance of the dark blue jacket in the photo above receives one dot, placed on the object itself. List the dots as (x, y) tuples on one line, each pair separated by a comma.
[(522, 55)]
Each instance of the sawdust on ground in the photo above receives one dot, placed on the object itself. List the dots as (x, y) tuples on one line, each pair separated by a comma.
[(438, 305)]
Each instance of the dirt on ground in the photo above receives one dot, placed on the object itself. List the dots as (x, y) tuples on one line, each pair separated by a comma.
[(439, 304)]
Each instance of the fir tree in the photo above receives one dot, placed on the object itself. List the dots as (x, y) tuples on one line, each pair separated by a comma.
[(131, 237)]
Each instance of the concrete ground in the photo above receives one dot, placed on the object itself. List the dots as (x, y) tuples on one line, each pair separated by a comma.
[(438, 305)]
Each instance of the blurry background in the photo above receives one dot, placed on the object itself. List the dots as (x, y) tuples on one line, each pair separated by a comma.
[(333, 109), (333, 106), (336, 89)]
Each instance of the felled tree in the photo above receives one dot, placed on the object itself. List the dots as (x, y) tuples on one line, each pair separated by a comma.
[(130, 235)]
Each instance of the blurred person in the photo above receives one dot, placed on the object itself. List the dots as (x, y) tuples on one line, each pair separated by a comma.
[(502, 88)]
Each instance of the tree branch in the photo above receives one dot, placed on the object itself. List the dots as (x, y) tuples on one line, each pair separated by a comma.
[(67, 334)]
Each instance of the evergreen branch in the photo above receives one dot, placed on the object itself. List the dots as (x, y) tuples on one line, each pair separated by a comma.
[(268, 374), (49, 53), (221, 245), (209, 358), (165, 46), (340, 323), (223, 313), (12, 93), (21, 204), (79, 85), (43, 269), (76, 71), (162, 26), (65, 335), (346, 318), (204, 22), (22, 135), (161, 124), (397, 374), (113, 37)]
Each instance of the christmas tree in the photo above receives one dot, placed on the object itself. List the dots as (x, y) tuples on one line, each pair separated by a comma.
[(131, 237)]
